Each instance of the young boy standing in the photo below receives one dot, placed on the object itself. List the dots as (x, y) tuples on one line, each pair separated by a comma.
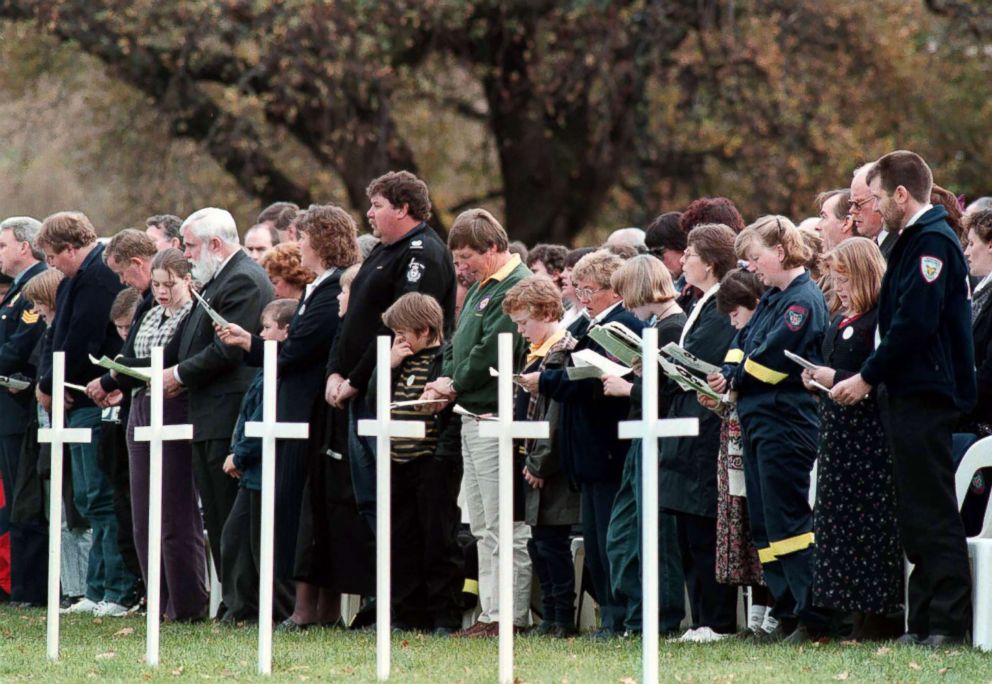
[(426, 567)]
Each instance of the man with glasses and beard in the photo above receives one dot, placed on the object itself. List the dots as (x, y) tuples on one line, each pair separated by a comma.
[(214, 374)]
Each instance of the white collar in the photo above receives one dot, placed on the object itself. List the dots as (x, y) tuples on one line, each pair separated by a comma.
[(317, 281), (694, 314), (985, 281), (606, 312), (882, 236), (222, 265), (916, 217)]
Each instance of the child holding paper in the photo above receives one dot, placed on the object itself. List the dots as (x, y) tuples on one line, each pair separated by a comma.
[(426, 573)]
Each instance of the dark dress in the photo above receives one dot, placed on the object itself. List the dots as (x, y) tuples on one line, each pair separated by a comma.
[(858, 557)]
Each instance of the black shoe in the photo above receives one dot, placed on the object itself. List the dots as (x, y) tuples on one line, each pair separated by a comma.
[(560, 631), (801, 635), (288, 625), (780, 633), (543, 629), (909, 639), (943, 641)]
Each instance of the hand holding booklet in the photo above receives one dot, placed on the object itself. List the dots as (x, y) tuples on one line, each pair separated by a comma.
[(589, 364), (216, 317), (143, 374), (807, 365), (687, 381), (618, 340), (465, 412)]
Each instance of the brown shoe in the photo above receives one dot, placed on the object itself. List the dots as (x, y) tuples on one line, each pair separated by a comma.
[(473, 630), (487, 631)]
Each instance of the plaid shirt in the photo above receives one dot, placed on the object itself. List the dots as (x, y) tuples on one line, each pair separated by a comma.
[(157, 329)]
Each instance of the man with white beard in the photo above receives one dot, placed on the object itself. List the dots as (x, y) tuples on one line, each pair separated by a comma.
[(214, 374)]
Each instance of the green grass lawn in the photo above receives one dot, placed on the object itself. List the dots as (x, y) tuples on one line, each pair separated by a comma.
[(113, 649)]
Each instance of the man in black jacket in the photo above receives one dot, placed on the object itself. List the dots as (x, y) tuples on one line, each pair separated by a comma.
[(81, 327), (925, 364), (20, 330), (213, 373)]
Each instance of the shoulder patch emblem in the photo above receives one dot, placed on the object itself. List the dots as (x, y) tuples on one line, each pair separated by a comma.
[(414, 271), (483, 303), (930, 268), (795, 317), (416, 244), (30, 317)]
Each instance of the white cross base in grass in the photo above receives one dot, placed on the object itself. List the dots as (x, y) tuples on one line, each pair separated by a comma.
[(58, 435), (505, 429), (649, 430)]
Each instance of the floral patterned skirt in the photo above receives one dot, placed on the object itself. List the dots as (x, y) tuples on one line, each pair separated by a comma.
[(736, 557)]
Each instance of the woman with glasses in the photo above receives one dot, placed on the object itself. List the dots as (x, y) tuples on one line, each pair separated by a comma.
[(858, 558), (687, 483), (778, 418)]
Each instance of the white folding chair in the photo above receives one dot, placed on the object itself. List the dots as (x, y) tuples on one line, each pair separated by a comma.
[(979, 547)]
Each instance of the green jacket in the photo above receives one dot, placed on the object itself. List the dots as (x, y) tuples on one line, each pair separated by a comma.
[(475, 344)]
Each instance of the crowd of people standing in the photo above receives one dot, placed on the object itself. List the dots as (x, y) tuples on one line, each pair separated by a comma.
[(886, 299)]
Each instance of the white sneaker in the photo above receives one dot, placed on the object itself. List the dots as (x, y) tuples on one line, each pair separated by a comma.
[(705, 635), (689, 636), (110, 609), (81, 607)]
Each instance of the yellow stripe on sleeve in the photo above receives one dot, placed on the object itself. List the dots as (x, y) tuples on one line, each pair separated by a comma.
[(764, 373)]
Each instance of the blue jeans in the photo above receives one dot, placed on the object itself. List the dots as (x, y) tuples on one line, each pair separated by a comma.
[(361, 459), (107, 576)]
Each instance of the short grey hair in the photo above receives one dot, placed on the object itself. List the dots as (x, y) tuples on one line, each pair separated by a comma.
[(980, 204), (25, 229), (212, 222)]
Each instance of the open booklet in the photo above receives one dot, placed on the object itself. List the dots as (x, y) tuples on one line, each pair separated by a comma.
[(416, 402), (216, 317), (493, 373), (589, 364), (688, 381), (18, 384), (143, 374), (807, 365), (681, 357), (465, 412), (618, 340)]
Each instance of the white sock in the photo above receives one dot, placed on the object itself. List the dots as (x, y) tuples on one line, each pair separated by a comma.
[(769, 624)]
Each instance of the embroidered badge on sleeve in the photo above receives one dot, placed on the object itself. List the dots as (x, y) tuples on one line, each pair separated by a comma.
[(414, 271), (795, 317), (930, 268)]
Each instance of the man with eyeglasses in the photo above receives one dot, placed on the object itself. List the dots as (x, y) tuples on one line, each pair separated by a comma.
[(867, 219)]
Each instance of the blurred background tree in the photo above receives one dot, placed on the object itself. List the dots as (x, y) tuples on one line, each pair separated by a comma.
[(568, 118)]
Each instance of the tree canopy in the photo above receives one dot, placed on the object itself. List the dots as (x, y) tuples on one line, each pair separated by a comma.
[(565, 116)]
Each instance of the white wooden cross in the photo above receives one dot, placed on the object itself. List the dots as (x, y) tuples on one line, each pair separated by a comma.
[(649, 429), (505, 429), (384, 428), (155, 434), (269, 429), (58, 436)]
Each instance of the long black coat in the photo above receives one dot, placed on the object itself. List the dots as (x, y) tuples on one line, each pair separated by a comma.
[(687, 482)]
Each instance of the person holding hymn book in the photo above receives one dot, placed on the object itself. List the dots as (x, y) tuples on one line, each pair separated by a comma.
[(737, 560), (551, 503), (184, 568), (328, 244), (779, 424), (648, 291), (426, 577), (244, 524), (687, 482), (858, 556), (593, 453)]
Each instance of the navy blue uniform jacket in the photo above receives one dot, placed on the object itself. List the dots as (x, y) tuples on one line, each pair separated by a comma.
[(82, 324), (591, 448), (924, 316), (20, 330)]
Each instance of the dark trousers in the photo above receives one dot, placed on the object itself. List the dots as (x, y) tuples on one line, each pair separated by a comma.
[(427, 573), (243, 537), (361, 459), (114, 464), (919, 429), (597, 507), (714, 605), (551, 555), (217, 491), (778, 458), (184, 593)]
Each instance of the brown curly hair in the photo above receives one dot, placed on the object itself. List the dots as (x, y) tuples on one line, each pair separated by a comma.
[(333, 234), (711, 210), (283, 261), (538, 296), (402, 187)]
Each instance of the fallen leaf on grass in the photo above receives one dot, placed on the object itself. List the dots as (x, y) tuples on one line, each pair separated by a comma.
[(883, 651), (850, 642), (97, 621), (405, 644), (628, 680), (842, 676), (913, 665), (127, 631), (178, 671), (943, 670), (294, 668), (106, 656)]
